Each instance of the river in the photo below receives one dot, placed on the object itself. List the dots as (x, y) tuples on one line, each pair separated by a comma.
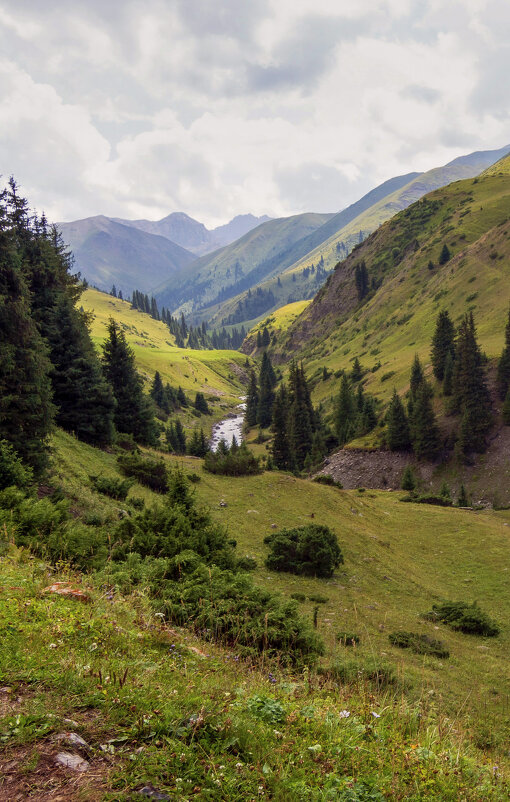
[(229, 427)]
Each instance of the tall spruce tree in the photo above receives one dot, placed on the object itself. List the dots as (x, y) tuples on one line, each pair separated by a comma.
[(416, 377), (252, 401), (345, 412), (266, 395), (471, 396), (300, 424), (26, 410), (443, 344), (398, 434), (504, 365), (134, 413), (425, 432), (280, 450)]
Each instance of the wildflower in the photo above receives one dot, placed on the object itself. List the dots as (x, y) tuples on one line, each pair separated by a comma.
[(344, 714), (375, 715), (239, 766), (52, 646), (277, 734)]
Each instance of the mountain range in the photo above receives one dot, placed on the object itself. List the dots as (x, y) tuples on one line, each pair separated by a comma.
[(236, 273)]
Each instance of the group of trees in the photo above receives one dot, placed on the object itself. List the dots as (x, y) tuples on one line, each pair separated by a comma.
[(458, 365), (355, 413), (49, 370), (187, 336), (260, 398)]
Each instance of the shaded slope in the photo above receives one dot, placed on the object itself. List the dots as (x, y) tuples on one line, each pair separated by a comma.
[(237, 266), (109, 253), (300, 280)]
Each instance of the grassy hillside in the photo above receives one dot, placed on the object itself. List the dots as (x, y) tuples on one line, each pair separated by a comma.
[(238, 266), (398, 319), (336, 238), (501, 167), (218, 373), (399, 560), (107, 252)]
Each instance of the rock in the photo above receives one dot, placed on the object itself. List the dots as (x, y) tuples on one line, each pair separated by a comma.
[(71, 761), (150, 792), (73, 739), (64, 589), (274, 526)]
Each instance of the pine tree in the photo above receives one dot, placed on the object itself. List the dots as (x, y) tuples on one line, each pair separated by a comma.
[(506, 409), (408, 479), (201, 404), (462, 500), (448, 375), (345, 412), (504, 365), (300, 425), (470, 393), (252, 401), (398, 434), (26, 411), (265, 338), (158, 393), (425, 432), (134, 413), (356, 373), (361, 279), (280, 450), (443, 344), (259, 339), (267, 381), (416, 377), (181, 397), (445, 255)]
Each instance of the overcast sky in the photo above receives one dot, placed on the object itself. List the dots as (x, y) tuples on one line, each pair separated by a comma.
[(222, 107)]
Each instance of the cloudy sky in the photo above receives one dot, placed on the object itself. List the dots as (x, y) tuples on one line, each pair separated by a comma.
[(137, 108)]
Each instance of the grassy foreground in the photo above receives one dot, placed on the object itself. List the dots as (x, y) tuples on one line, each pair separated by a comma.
[(160, 711)]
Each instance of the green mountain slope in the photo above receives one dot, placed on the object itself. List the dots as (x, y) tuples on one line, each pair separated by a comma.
[(107, 252), (304, 276), (238, 266), (409, 287)]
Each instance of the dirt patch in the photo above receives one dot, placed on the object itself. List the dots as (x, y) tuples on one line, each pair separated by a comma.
[(374, 469), (11, 699), (30, 772)]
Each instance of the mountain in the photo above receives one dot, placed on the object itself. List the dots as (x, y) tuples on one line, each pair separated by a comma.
[(298, 277), (107, 252), (194, 236), (239, 266), (407, 288)]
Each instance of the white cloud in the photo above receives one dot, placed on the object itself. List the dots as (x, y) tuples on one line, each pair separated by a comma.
[(271, 106)]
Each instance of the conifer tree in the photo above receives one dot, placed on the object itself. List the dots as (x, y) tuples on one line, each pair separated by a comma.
[(252, 401), (462, 500), (181, 397), (448, 375), (408, 479), (445, 255), (26, 410), (300, 425), (201, 404), (504, 365), (416, 377), (398, 434), (259, 339), (425, 432), (280, 450), (159, 394), (356, 373), (470, 393), (345, 412), (361, 279), (267, 381), (443, 344), (133, 413), (506, 409), (265, 337)]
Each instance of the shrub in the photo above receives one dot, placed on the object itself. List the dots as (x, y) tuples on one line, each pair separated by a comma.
[(115, 488), (347, 638), (408, 479), (300, 597), (149, 472), (439, 501), (266, 709), (421, 644), (464, 617), (194, 478), (246, 564), (310, 550), (381, 675), (239, 461), (319, 599), (327, 479), (136, 502), (12, 470)]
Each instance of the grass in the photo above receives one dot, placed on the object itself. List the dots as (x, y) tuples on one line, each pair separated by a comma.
[(399, 560), (160, 710)]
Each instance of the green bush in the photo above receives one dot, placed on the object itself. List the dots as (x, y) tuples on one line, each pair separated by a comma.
[(246, 564), (12, 471), (300, 597), (439, 501), (347, 638), (237, 461), (318, 599), (310, 550), (115, 488), (147, 471), (421, 644), (136, 502), (464, 617)]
